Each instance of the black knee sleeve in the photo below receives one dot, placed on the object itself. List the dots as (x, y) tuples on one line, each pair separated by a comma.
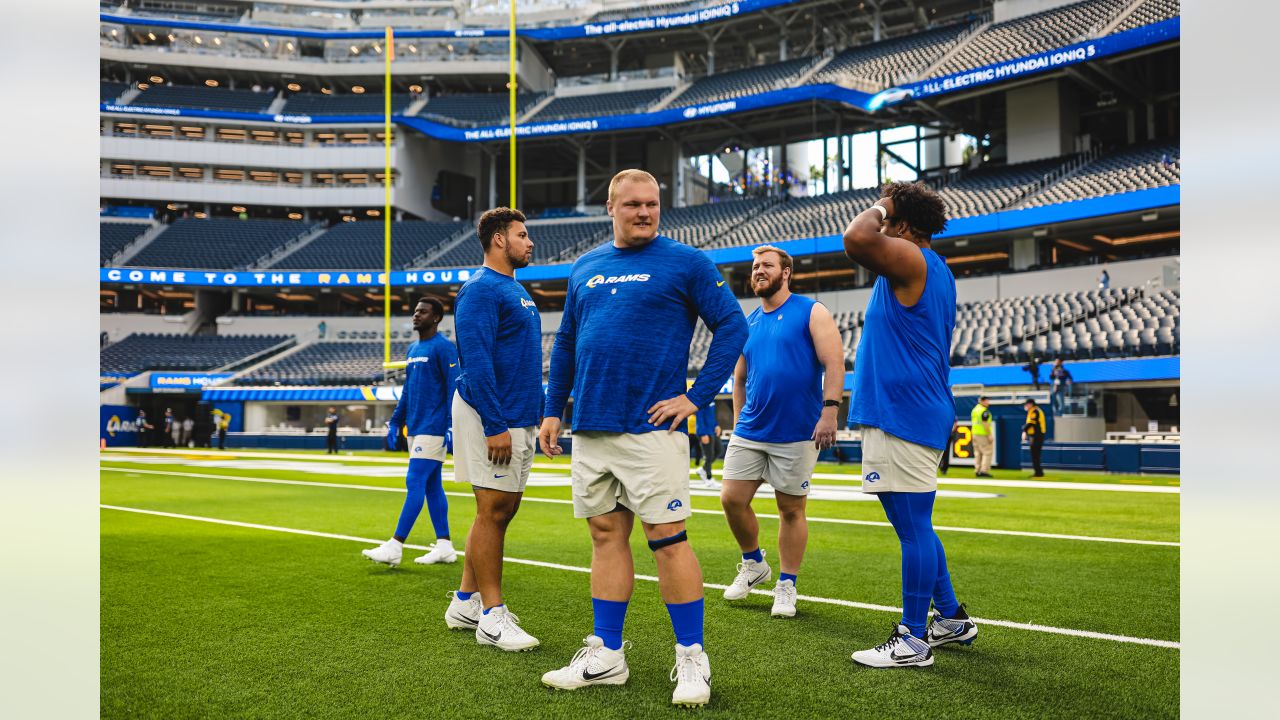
[(656, 545)]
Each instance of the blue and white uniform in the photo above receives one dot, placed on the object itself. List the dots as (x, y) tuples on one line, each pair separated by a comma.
[(773, 440), (902, 399), (423, 411), (500, 387), (424, 406), (623, 345)]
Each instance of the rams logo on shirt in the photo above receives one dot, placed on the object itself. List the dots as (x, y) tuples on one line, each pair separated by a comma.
[(602, 280), (526, 302)]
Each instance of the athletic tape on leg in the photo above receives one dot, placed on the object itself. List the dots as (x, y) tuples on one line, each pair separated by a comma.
[(679, 537)]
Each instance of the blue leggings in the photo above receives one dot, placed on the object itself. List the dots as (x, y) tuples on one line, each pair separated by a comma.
[(924, 563), (423, 482)]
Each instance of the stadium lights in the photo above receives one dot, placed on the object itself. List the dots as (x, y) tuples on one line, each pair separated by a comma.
[(151, 36), (198, 40), (115, 33), (372, 212), (288, 46), (326, 91), (294, 87), (200, 216), (355, 50), (211, 83), (217, 41), (413, 49), (143, 86), (171, 206), (157, 79), (1148, 217), (295, 216), (981, 257), (357, 89), (173, 38), (415, 88), (237, 208), (1073, 245), (377, 48)]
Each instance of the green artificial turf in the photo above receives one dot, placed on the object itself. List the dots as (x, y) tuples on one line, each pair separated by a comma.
[(208, 620)]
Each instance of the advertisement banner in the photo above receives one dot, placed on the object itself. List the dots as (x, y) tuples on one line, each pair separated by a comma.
[(107, 380), (185, 381), (117, 425)]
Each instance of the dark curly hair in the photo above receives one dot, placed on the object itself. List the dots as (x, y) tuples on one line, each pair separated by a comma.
[(920, 207), (496, 220), (437, 307)]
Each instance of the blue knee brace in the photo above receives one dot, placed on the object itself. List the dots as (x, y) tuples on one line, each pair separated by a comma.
[(656, 545)]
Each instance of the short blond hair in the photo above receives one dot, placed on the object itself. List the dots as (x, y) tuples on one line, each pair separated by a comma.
[(784, 259), (626, 175)]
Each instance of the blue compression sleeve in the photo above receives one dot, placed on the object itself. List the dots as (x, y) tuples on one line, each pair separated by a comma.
[(415, 482), (437, 502), (924, 574)]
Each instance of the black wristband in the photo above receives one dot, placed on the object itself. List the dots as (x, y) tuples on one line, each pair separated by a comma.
[(830, 403)]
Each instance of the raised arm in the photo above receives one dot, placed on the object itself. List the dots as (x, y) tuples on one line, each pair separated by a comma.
[(896, 258)]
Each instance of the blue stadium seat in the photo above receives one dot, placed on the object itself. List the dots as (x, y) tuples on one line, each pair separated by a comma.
[(182, 96), (327, 363), (217, 243), (139, 352), (115, 236), (359, 245), (347, 104), (599, 104)]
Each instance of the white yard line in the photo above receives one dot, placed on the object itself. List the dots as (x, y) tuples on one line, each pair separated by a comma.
[(835, 521), (572, 568), (206, 454)]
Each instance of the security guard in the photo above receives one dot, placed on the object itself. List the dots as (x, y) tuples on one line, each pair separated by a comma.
[(1034, 432), (983, 447)]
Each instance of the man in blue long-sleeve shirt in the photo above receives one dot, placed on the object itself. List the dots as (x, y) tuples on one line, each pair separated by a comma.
[(423, 410), (495, 416), (623, 349)]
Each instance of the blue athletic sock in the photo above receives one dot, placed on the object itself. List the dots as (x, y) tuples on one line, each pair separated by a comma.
[(911, 516), (787, 576), (437, 502), (415, 482), (464, 596), (686, 620), (756, 555), (495, 607), (610, 615)]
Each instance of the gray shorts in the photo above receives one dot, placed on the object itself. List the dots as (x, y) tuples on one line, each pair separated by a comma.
[(647, 473), (891, 464), (471, 452), (426, 447), (787, 467)]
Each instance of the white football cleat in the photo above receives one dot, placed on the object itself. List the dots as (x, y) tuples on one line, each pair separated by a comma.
[(501, 628), (594, 664), (750, 574), (902, 649), (784, 599), (463, 614), (708, 482), (441, 551), (388, 553), (692, 675), (943, 631)]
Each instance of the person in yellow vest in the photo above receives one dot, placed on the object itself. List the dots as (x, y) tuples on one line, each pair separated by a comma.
[(983, 447), (1033, 432)]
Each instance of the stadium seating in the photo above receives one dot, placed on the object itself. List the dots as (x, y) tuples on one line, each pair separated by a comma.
[(111, 91), (321, 104), (887, 63), (1151, 11), (139, 352), (597, 104), (737, 83), (182, 96), (217, 243), (359, 245), (1137, 168), (475, 110), (800, 218), (114, 237), (700, 225), (326, 363), (993, 188), (550, 240), (1091, 325), (1031, 34)]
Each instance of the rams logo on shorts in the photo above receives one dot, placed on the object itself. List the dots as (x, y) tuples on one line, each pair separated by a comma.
[(417, 449), (804, 484), (674, 504), (871, 477), (612, 279)]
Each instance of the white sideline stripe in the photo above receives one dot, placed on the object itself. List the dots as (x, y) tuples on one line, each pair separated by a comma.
[(977, 482), (573, 568), (835, 521)]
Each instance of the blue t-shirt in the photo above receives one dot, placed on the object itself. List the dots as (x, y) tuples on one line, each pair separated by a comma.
[(902, 368), (500, 347), (623, 342), (784, 376), (705, 419), (429, 379)]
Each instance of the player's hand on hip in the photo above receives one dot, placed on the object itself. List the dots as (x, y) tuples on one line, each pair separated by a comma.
[(824, 433), (499, 447), (677, 410), (549, 437)]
